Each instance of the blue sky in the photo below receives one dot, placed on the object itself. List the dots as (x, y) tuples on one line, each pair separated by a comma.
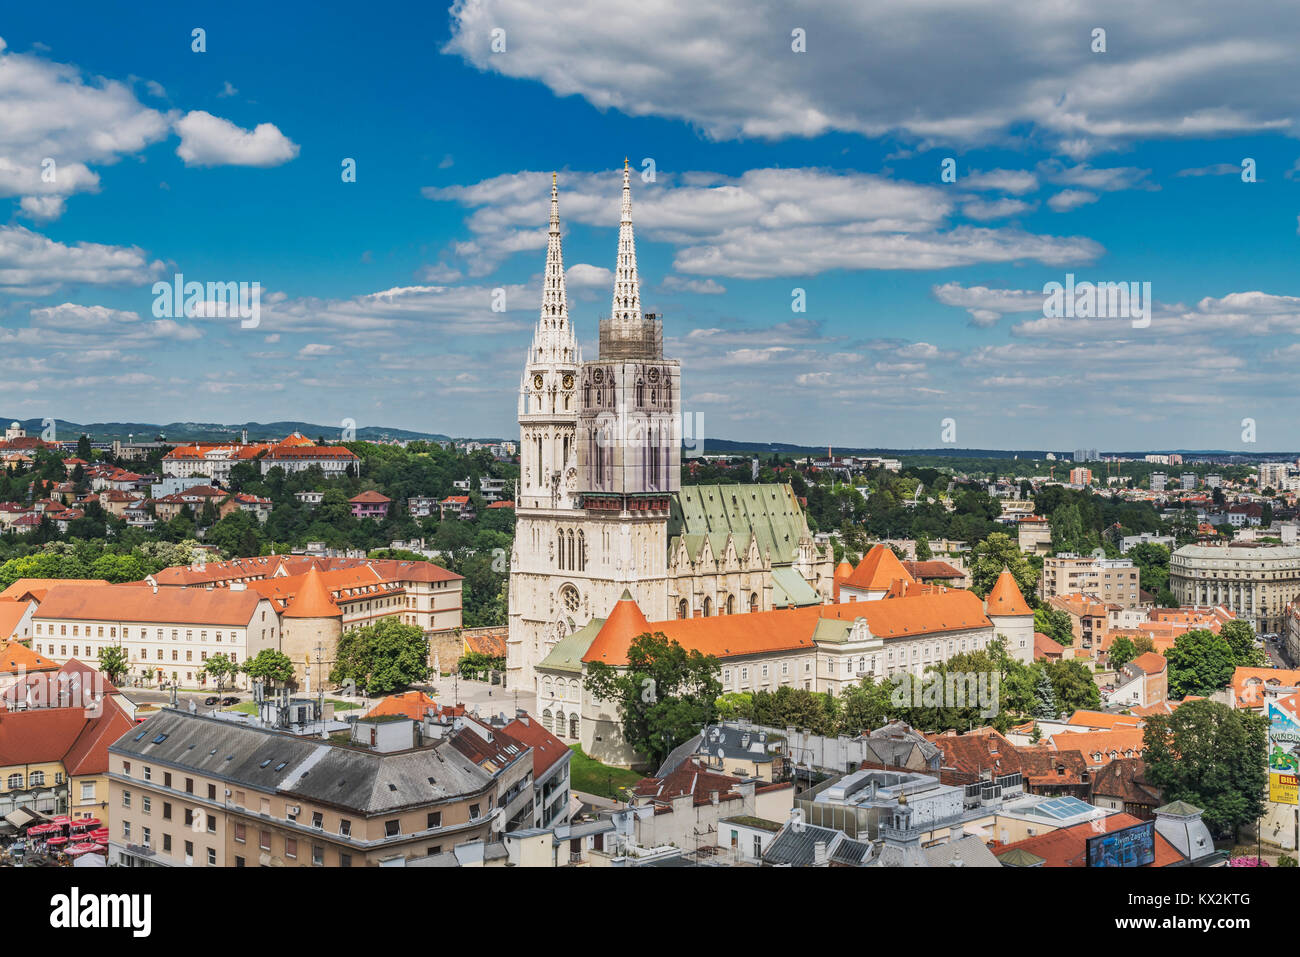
[(774, 170)]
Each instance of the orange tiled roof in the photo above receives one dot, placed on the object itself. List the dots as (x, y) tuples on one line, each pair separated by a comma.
[(878, 569), (15, 656), (1248, 684), (1047, 647), (1098, 747), (11, 613), (370, 497), (1103, 720), (1150, 663), (1005, 598), (411, 704), (38, 588), (313, 599)]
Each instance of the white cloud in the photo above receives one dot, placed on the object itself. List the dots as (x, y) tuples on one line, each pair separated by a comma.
[(987, 305), (761, 224), (1068, 199), (1014, 181), (586, 276), (704, 287), (208, 140), (33, 264), (995, 209), (972, 73)]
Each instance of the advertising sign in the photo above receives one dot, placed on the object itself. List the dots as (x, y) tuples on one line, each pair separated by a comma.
[(1131, 847), (1283, 755)]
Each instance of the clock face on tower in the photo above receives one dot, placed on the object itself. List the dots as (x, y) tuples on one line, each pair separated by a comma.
[(568, 381), (537, 381)]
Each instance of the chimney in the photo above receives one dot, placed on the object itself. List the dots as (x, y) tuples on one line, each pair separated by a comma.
[(713, 797), (819, 854)]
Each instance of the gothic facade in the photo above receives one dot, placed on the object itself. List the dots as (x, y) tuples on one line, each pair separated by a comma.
[(600, 508)]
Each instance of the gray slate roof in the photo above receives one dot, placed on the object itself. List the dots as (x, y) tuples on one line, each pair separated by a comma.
[(262, 759)]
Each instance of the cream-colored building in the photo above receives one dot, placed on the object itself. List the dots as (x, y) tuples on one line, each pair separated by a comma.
[(167, 633), (1255, 582), (1114, 581)]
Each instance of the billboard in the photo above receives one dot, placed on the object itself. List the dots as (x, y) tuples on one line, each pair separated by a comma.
[(1283, 755), (1129, 847)]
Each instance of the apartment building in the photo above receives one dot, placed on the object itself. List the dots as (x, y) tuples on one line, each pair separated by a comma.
[(1254, 582), (193, 790), (1111, 580)]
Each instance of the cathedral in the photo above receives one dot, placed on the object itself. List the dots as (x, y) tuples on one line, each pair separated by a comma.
[(600, 510)]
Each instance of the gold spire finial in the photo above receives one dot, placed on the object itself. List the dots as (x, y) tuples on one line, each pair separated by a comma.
[(625, 162), (552, 179)]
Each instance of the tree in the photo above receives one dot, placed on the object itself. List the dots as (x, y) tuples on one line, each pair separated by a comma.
[(382, 657), (270, 665), (665, 694), (477, 666), (996, 552), (84, 451), (1200, 663), (220, 667), (1241, 639), (1121, 652), (113, 662), (1067, 529), (923, 552), (1074, 686), (1211, 756), (1054, 623), (1045, 704)]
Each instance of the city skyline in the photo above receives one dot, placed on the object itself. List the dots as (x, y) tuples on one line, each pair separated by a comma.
[(772, 184)]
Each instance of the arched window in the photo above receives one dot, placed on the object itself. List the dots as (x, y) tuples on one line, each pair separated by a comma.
[(573, 726), (753, 601), (572, 554), (682, 609), (561, 689), (546, 719), (559, 551), (559, 723), (708, 607), (582, 551), (731, 604)]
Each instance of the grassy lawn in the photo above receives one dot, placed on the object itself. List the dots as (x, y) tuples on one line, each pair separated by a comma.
[(250, 707), (588, 774)]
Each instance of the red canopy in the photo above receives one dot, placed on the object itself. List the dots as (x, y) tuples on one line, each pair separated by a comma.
[(62, 820), (57, 840), (85, 822), (99, 834), (42, 828)]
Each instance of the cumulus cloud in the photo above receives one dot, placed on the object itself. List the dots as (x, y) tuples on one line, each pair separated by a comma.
[(1035, 69), (1068, 199), (33, 264), (987, 305), (208, 140), (761, 224)]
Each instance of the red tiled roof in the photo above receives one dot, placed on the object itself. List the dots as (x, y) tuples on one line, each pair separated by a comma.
[(1005, 598), (1068, 846), (878, 570), (547, 748)]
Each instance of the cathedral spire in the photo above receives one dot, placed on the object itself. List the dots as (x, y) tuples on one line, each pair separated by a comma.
[(627, 286), (553, 339)]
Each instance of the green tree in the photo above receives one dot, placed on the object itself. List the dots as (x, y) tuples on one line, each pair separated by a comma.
[(996, 552), (220, 668), (1200, 663), (1211, 756), (271, 666), (1240, 637), (665, 694), (1045, 703), (923, 552), (382, 657), (1121, 652), (1067, 529), (1054, 623), (735, 704), (1074, 685), (113, 662)]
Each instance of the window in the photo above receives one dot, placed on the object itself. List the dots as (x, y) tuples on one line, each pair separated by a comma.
[(87, 791), (318, 855), (239, 862), (345, 828), (167, 843), (126, 799), (36, 779), (146, 804), (239, 833), (392, 828), (148, 773), (126, 830), (212, 857), (473, 812), (345, 860), (291, 848), (317, 819), (435, 819), (167, 811), (146, 836), (167, 779), (264, 840), (212, 792)]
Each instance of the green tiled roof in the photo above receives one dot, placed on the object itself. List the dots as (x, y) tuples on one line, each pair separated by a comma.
[(771, 513), (568, 651), (789, 589)]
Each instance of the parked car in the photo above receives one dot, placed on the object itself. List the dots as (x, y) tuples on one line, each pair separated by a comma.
[(227, 702), (211, 699)]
